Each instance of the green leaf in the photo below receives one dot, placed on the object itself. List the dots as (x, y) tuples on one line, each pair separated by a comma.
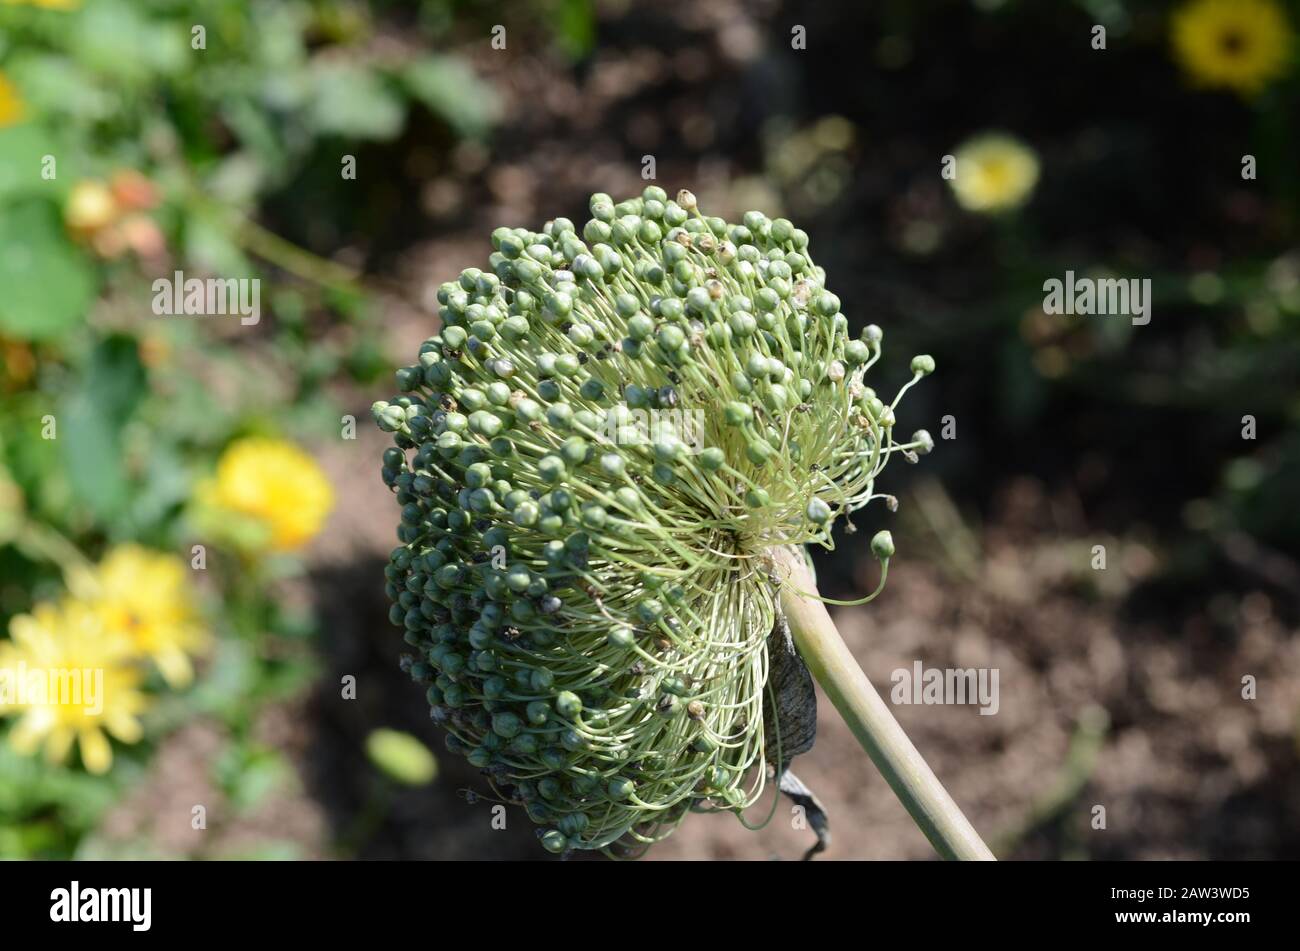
[(248, 773), (32, 787), (165, 489), (48, 283), (575, 27), (224, 689), (210, 245), (23, 149), (349, 100), (90, 434), (452, 91), (57, 85), (116, 39)]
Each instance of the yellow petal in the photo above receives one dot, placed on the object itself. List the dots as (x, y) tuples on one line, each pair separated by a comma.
[(95, 751), (58, 743), (175, 667), (125, 727)]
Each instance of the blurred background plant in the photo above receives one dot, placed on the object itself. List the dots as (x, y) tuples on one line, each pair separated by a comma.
[(135, 142), (353, 155)]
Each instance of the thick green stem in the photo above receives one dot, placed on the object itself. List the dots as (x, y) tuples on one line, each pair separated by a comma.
[(833, 666)]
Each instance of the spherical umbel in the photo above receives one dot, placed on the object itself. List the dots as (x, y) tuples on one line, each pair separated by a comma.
[(593, 459)]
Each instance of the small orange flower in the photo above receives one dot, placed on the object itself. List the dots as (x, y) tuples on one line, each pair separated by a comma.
[(132, 190)]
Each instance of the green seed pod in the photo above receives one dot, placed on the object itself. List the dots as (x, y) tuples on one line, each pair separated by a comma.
[(818, 512), (554, 841), (506, 724), (568, 705), (621, 637), (882, 545), (632, 414)]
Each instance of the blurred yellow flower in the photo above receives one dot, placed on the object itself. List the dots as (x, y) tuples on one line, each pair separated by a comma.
[(12, 109), (91, 206), (46, 4), (66, 677), (993, 173), (1233, 44), (273, 484), (147, 596)]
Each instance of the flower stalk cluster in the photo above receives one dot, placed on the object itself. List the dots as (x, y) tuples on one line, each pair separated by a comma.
[(591, 614)]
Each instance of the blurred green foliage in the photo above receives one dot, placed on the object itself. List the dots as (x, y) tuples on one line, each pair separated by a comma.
[(152, 133)]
